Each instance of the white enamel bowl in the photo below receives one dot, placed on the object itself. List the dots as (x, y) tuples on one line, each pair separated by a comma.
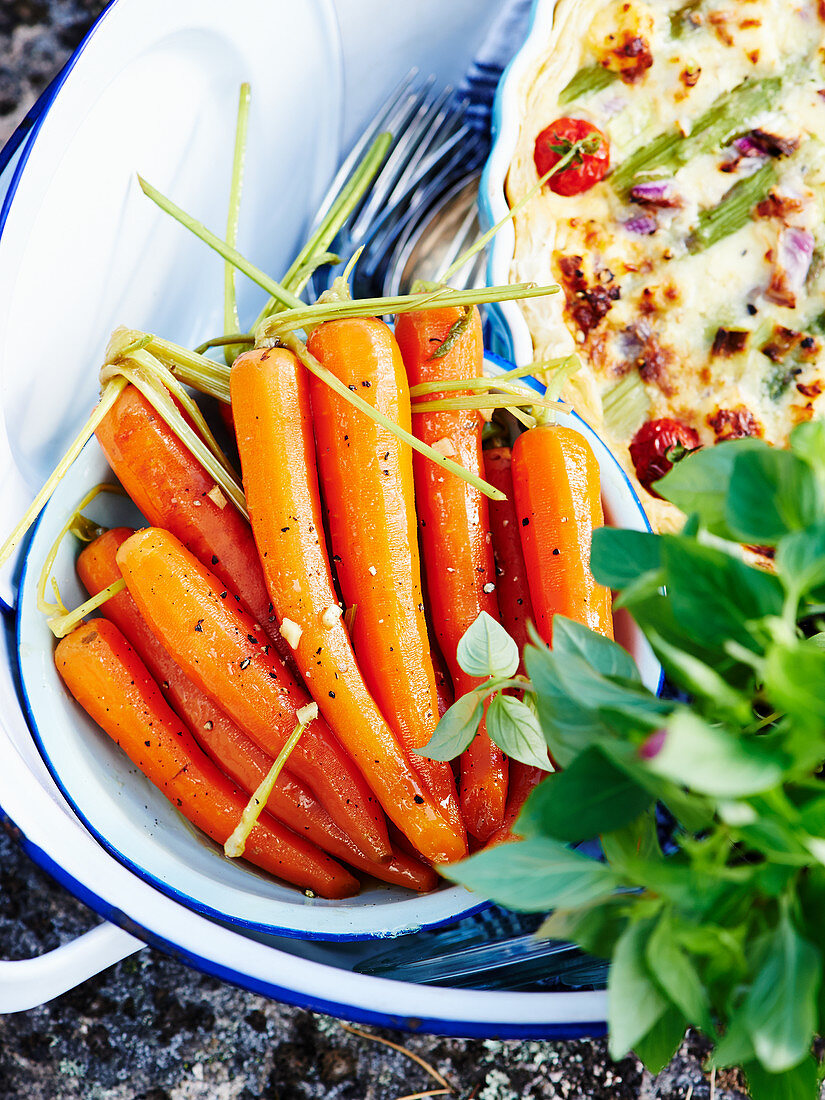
[(154, 89)]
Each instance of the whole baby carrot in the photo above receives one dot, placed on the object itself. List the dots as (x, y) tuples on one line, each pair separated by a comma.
[(173, 491), (445, 344), (232, 750), (366, 476), (558, 502), (270, 402), (215, 641), (113, 686), (515, 607)]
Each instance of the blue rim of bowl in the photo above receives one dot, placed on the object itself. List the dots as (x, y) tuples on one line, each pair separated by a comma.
[(180, 896), (25, 134)]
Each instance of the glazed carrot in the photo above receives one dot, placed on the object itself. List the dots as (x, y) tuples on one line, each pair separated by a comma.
[(558, 502), (515, 607), (214, 640), (229, 747), (173, 491), (455, 532), (270, 402), (366, 477), (114, 687)]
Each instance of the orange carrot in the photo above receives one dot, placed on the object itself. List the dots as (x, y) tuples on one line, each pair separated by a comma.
[(516, 609), (270, 403), (173, 491), (215, 641), (221, 739), (455, 531), (558, 502), (366, 477), (113, 686)]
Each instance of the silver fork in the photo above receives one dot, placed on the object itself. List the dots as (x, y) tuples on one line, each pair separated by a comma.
[(434, 147)]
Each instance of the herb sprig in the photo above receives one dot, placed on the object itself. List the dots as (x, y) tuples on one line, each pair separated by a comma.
[(725, 931)]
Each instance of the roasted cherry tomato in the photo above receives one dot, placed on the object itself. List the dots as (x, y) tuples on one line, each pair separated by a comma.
[(588, 166), (657, 445)]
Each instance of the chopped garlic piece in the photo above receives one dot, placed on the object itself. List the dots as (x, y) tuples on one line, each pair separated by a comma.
[(217, 497), (291, 631), (445, 447), (330, 616), (372, 570)]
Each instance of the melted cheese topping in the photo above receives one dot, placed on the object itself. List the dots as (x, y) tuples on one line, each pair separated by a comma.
[(727, 338)]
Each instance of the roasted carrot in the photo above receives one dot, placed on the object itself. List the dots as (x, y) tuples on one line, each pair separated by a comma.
[(270, 402), (515, 607), (114, 687), (173, 491), (366, 477), (213, 638), (455, 531), (221, 739), (557, 495)]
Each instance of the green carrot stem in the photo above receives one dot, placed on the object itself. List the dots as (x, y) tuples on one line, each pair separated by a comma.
[(291, 320), (280, 293), (348, 198), (231, 322), (109, 395), (484, 401), (298, 348), (482, 242), (223, 341), (733, 210), (43, 604), (61, 625), (724, 118), (235, 844), (592, 78), (195, 369)]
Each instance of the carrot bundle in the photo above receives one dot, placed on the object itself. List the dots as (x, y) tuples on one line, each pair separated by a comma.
[(113, 686), (455, 533), (270, 400), (215, 641), (366, 476), (556, 488), (228, 746)]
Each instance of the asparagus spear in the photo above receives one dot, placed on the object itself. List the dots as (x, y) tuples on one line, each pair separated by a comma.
[(684, 18), (727, 116), (733, 210), (592, 78)]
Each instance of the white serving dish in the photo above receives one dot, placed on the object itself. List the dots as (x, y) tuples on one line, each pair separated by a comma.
[(91, 261)]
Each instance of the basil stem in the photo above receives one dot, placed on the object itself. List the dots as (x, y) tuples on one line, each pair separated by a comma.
[(592, 78), (733, 210), (727, 116)]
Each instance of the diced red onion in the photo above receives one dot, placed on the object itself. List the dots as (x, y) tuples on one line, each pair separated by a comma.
[(794, 252), (746, 147), (644, 224), (654, 193)]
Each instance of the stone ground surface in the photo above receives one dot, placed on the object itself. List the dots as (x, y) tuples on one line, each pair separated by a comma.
[(151, 1029)]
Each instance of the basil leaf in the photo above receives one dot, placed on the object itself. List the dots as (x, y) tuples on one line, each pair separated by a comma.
[(637, 839), (677, 975), (779, 1010), (799, 1083), (456, 729), (595, 928), (533, 875), (590, 797), (699, 678), (662, 1041), (712, 761), (635, 1003), (486, 649), (715, 595), (807, 441), (771, 492), (699, 483), (618, 557), (795, 680), (800, 559), (515, 729), (605, 655)]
